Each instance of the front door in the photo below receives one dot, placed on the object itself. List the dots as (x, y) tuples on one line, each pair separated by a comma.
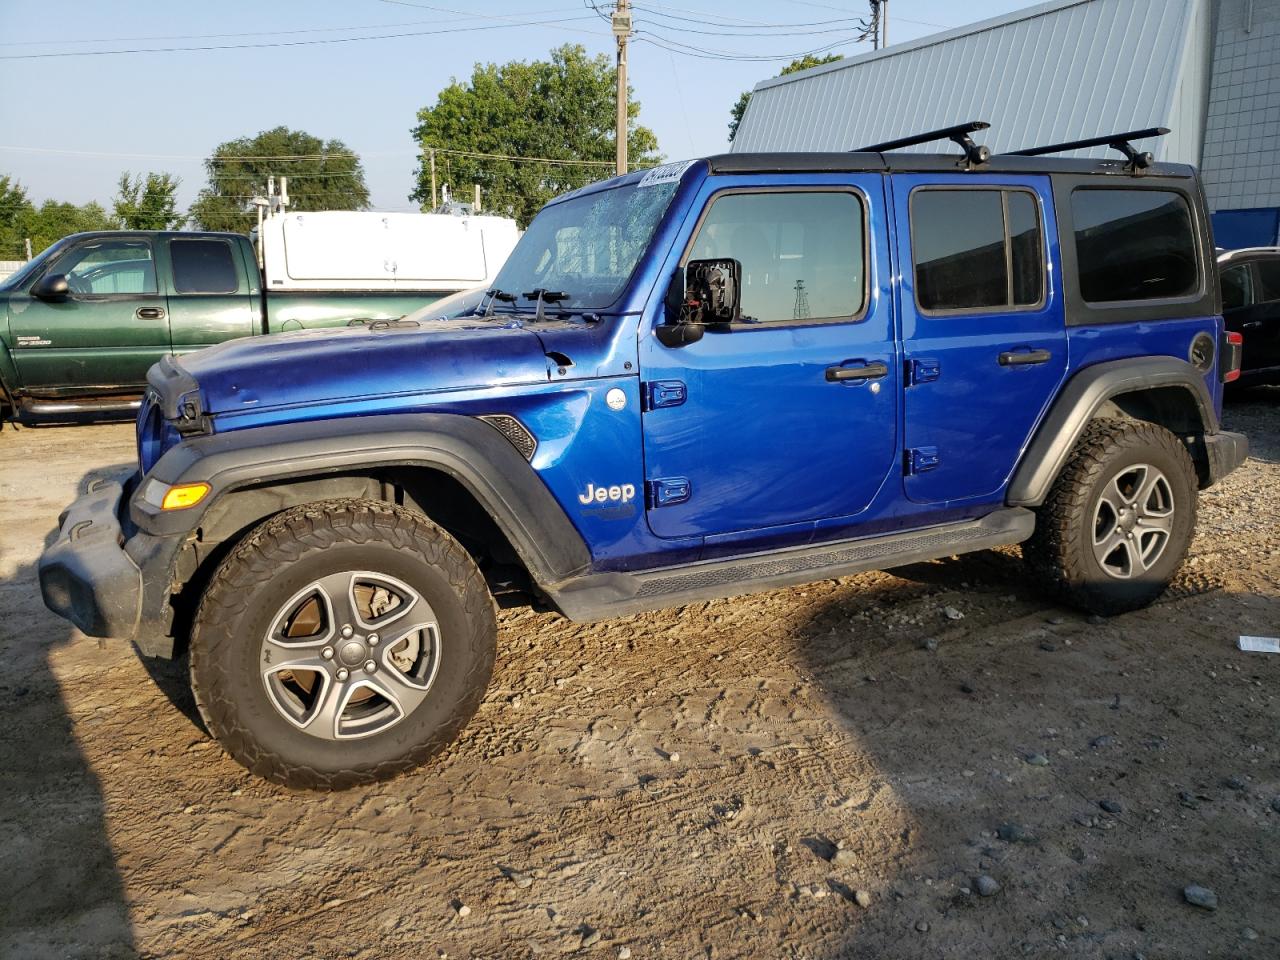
[(982, 327), (106, 334), (790, 416)]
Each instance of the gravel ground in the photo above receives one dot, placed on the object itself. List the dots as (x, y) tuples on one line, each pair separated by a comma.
[(836, 770)]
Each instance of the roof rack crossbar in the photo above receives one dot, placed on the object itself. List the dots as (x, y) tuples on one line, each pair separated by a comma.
[(1116, 141), (958, 134)]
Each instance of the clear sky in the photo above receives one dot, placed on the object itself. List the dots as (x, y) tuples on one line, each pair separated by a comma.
[(78, 121)]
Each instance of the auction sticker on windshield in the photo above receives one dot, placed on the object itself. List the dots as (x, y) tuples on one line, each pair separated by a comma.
[(667, 173)]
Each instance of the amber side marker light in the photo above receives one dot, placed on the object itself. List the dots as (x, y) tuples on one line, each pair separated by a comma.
[(184, 495)]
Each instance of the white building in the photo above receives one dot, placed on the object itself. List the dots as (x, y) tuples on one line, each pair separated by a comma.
[(1067, 70)]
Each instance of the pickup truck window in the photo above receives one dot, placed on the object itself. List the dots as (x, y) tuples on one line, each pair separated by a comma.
[(803, 253), (203, 266), (976, 250), (1134, 244), (1237, 287), (1268, 280), (105, 267)]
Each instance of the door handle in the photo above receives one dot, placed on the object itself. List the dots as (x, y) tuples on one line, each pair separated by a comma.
[(1022, 358), (149, 313), (869, 371)]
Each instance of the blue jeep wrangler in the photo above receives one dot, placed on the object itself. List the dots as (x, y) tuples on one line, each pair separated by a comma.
[(694, 381)]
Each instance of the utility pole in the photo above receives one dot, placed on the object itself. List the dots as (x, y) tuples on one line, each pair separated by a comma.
[(26, 245), (884, 23), (622, 30), (431, 152)]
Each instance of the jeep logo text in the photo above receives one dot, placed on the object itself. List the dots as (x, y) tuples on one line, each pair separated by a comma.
[(619, 493)]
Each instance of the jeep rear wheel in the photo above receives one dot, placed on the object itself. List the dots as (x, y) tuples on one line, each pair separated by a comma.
[(340, 643), (1118, 520)]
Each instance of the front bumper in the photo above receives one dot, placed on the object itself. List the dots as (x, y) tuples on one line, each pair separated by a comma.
[(1226, 451), (85, 575), (107, 584)]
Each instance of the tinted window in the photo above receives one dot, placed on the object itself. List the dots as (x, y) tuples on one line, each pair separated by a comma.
[(976, 249), (1268, 281), (802, 254), (104, 267), (1237, 287), (1026, 248), (203, 266), (1133, 244)]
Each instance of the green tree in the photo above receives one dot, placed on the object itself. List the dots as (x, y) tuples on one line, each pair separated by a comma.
[(562, 109), (323, 175), (148, 204), (15, 209), (52, 221), (795, 66)]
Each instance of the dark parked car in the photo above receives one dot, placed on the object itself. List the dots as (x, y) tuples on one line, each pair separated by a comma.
[(1251, 307)]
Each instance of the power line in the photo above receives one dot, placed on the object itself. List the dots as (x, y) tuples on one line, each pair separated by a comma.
[(293, 43), (251, 33)]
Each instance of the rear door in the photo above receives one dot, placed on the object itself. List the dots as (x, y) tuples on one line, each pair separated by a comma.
[(210, 297), (1260, 322), (109, 330), (983, 327)]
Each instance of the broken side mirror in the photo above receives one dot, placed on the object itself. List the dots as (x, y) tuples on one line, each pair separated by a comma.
[(707, 293)]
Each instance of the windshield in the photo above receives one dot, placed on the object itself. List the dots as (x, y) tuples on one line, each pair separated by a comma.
[(32, 267), (587, 247)]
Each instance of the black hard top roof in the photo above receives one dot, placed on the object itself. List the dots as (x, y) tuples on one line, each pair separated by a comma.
[(891, 162)]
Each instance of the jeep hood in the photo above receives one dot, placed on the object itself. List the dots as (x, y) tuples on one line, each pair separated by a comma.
[(353, 363)]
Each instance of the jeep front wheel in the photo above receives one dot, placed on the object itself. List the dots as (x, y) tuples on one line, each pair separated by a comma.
[(340, 643), (1119, 518)]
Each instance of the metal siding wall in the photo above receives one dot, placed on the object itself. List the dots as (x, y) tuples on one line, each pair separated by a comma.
[(1242, 135), (1064, 72)]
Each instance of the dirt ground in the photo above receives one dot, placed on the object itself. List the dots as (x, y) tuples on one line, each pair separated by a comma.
[(793, 774)]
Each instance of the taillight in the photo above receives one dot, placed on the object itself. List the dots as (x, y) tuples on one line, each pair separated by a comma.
[(1232, 356)]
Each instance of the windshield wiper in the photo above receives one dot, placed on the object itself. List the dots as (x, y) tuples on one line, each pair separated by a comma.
[(544, 296), (494, 295)]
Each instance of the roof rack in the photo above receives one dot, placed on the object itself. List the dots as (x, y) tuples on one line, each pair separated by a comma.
[(959, 134), (1116, 141)]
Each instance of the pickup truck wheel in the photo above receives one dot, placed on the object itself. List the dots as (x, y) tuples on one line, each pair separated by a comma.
[(1119, 518), (341, 643)]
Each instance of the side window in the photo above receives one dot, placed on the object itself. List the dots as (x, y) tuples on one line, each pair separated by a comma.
[(1134, 244), (803, 253), (1268, 281), (1237, 287), (105, 267), (976, 250), (203, 266)]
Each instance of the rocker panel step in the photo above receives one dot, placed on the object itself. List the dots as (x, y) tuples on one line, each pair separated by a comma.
[(600, 596)]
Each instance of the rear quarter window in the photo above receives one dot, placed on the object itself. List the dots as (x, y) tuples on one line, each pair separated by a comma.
[(203, 266), (1134, 245)]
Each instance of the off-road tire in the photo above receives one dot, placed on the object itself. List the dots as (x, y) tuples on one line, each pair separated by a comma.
[(1061, 550), (245, 591)]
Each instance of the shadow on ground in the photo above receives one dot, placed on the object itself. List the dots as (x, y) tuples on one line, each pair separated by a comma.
[(61, 893)]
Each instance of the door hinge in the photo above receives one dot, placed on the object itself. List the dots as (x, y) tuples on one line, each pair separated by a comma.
[(669, 491), (664, 393), (924, 370), (921, 460)]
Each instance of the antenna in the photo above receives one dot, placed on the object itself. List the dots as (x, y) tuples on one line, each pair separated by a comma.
[(974, 155), (801, 311), (1116, 141)]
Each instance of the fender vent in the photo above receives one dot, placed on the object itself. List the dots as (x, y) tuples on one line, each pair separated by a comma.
[(515, 431)]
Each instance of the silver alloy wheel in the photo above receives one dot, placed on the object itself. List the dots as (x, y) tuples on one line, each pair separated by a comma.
[(350, 655), (1133, 521)]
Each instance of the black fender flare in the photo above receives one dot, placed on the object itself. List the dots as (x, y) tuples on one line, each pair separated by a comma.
[(1080, 400), (465, 448)]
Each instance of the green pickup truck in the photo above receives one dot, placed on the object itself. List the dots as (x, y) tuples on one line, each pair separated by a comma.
[(82, 323)]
